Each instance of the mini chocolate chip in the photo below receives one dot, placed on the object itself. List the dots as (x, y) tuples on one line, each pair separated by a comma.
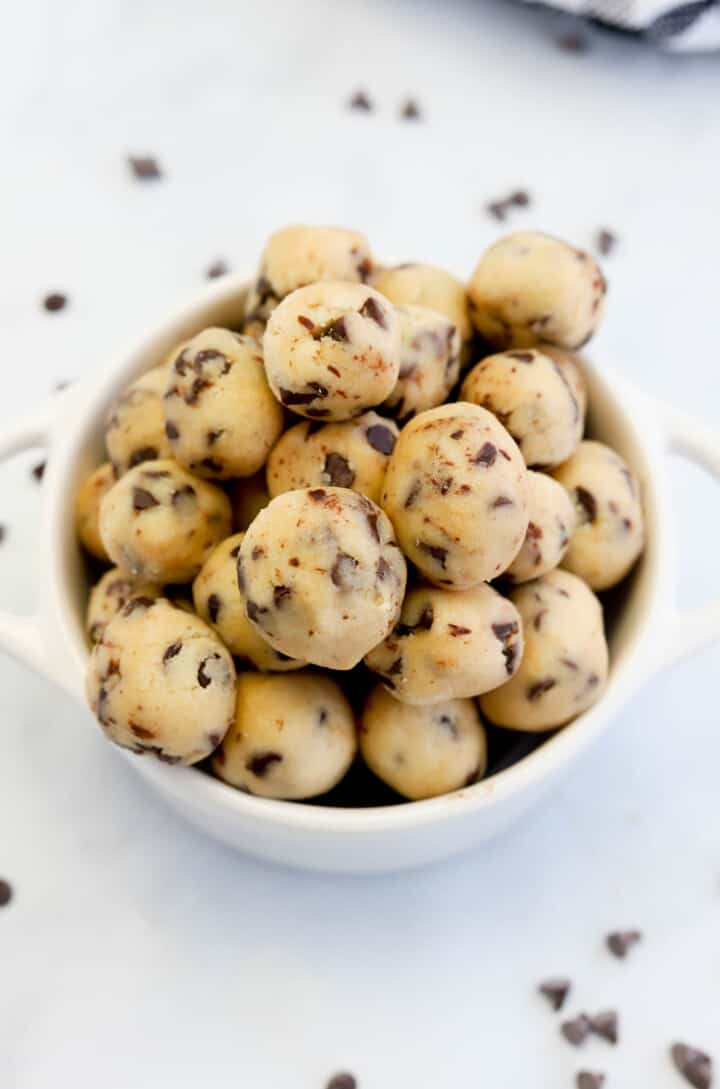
[(588, 503), (257, 553), (213, 436), (155, 474), (457, 434), (3, 533), (342, 569), (457, 629), (395, 668), (172, 651), (342, 1081), (410, 110), (448, 724), (520, 198), (486, 455), (535, 691), (413, 494), (141, 731), (505, 454), (577, 1030), (294, 561), (317, 494), (317, 413), (144, 167), (6, 892), (523, 357), (605, 242), (605, 1024), (381, 438), (586, 1079), (143, 499), (382, 569), (372, 309), (289, 397), (423, 623), (308, 323), (505, 630), (695, 1066), (216, 269), (139, 602), (360, 101), (337, 330), (253, 609), (372, 520), (213, 607), (171, 430), (439, 554), (280, 593), (261, 762), (145, 453), (569, 664), (38, 470), (212, 465), (445, 485), (185, 492), (620, 942), (337, 470), (556, 992), (502, 501), (54, 302), (204, 679)]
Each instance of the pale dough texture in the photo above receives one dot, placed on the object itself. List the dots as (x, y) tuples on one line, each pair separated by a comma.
[(429, 361), (87, 509), (136, 423), (110, 594), (552, 521), (416, 284)]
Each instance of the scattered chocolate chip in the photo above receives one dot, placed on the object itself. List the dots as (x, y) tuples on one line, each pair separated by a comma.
[(335, 330), (587, 1079), (139, 602), (212, 465), (213, 607), (381, 438), (522, 357), (423, 623), (437, 553), (413, 494), (360, 101), (3, 533), (502, 501), (556, 992), (172, 651), (171, 430), (186, 492), (145, 453), (577, 1030), (342, 1081), (306, 322), (498, 209), (261, 762), (620, 942), (322, 716), (280, 593), (588, 503), (486, 455), (457, 630), (372, 309), (342, 569), (317, 494), (694, 1065), (572, 42), (606, 1024), (337, 470), (290, 397), (55, 301), (144, 167), (535, 691), (457, 434), (505, 630), (372, 520), (38, 470), (605, 242), (382, 569), (204, 678), (410, 110), (143, 499), (216, 269), (520, 198), (6, 893), (251, 607), (142, 732)]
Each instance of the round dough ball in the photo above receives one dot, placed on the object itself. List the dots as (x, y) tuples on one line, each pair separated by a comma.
[(87, 509), (161, 522), (534, 398), (160, 681), (110, 594), (610, 531), (136, 423), (422, 751), (425, 285), (332, 350), (552, 521), (322, 575), (299, 255), (429, 361), (221, 419), (293, 736), (248, 497), (530, 288), (565, 664), (218, 601), (449, 644), (352, 454), (456, 492)]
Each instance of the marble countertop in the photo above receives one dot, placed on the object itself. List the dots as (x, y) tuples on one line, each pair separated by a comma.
[(136, 953)]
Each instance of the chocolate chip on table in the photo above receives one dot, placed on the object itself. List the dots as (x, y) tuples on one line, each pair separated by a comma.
[(38, 471), (6, 892), (216, 269), (587, 1079), (605, 242), (577, 1030), (144, 167), (360, 100), (605, 1024), (342, 1081), (498, 209), (694, 1065), (3, 532), (620, 942), (556, 992), (572, 42), (410, 110), (55, 301)]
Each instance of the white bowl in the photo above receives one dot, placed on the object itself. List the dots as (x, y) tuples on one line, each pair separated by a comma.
[(647, 635)]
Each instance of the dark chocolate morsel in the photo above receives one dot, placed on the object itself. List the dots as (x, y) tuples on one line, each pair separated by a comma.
[(145, 453), (261, 762), (371, 309), (413, 494), (359, 101), (694, 1065), (423, 623), (213, 607), (620, 942), (577, 1030), (523, 357), (338, 471), (254, 610), (605, 1024), (280, 593), (410, 110), (381, 438), (587, 1079), (372, 520), (342, 569), (172, 651), (588, 503), (439, 554), (486, 455), (315, 392), (144, 167), (54, 302), (535, 691), (171, 430), (6, 892), (556, 992), (216, 269), (204, 679), (38, 470), (142, 499), (139, 602)]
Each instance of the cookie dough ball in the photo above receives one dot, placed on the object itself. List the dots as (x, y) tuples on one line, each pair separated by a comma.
[(221, 419), (534, 397), (297, 256), (322, 575), (160, 681), (293, 736), (552, 521), (110, 595), (352, 454), (610, 532), (422, 751), (332, 350), (87, 509), (248, 497), (136, 423), (565, 664), (456, 492), (530, 288), (218, 601), (161, 522), (449, 644), (429, 361), (425, 285)]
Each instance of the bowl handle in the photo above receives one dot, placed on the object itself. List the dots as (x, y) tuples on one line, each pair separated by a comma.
[(691, 629)]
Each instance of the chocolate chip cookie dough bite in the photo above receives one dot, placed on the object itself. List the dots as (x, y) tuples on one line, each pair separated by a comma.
[(218, 602), (610, 532), (160, 681), (565, 663), (532, 289), (221, 419), (534, 397), (351, 454), (332, 350), (414, 284), (87, 509), (161, 522), (293, 736), (300, 255), (422, 752), (551, 523), (136, 423), (456, 493), (429, 361), (449, 644), (110, 594), (322, 575)]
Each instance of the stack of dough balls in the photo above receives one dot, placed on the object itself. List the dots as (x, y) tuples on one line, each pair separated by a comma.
[(359, 525)]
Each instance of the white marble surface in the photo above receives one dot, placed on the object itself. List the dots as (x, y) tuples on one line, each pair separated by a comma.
[(139, 955)]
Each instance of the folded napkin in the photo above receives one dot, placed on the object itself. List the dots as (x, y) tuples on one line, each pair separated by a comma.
[(688, 27)]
